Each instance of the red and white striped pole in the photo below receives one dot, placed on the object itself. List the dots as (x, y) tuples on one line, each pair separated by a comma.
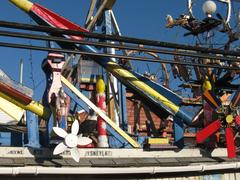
[(101, 103)]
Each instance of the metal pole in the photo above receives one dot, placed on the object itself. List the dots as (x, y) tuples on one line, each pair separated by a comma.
[(121, 88), (21, 72), (113, 111), (33, 130)]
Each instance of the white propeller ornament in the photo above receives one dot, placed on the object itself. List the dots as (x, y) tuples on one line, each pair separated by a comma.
[(71, 141)]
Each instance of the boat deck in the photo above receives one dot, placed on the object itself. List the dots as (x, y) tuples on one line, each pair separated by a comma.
[(96, 161)]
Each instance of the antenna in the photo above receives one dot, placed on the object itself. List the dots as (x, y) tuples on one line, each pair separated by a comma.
[(21, 72)]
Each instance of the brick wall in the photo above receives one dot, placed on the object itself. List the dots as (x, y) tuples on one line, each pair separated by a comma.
[(138, 113)]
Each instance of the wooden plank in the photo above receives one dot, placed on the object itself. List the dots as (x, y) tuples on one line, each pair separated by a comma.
[(125, 162), (111, 98), (100, 113), (102, 163), (168, 161), (82, 162), (51, 163), (30, 162), (147, 162), (19, 162), (6, 162), (158, 141), (10, 109), (159, 147), (91, 11), (90, 24), (106, 4), (202, 159)]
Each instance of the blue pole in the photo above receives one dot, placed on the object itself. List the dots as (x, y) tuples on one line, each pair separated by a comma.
[(32, 130), (123, 106), (178, 132)]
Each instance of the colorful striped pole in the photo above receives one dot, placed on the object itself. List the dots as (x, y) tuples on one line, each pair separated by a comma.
[(101, 124)]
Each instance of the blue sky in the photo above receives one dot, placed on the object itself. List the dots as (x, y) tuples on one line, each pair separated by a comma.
[(140, 19)]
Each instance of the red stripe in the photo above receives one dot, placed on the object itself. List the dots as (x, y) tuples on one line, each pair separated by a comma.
[(13, 93), (56, 20), (231, 149), (101, 124), (208, 131)]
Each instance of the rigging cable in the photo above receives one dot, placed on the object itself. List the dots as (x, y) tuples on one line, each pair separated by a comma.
[(140, 49), (31, 62), (22, 46), (58, 31)]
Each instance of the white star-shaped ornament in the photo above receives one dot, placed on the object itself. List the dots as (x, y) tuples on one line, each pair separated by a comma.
[(71, 141)]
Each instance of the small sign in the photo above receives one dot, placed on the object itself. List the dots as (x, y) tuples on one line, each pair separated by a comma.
[(98, 153)]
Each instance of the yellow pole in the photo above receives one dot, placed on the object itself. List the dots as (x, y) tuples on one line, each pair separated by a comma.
[(34, 106), (134, 82), (25, 5)]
